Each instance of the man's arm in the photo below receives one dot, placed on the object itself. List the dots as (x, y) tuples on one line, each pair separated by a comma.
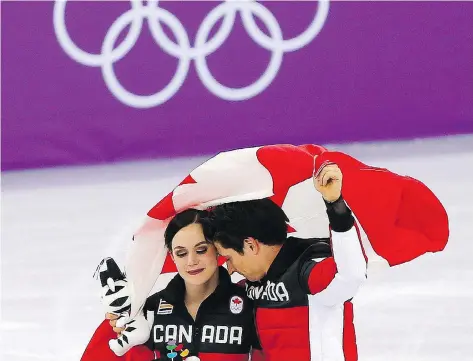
[(336, 279)]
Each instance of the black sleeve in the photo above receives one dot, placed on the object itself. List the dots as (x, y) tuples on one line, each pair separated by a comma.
[(339, 215)]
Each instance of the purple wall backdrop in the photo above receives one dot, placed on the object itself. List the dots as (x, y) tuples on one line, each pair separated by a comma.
[(376, 70)]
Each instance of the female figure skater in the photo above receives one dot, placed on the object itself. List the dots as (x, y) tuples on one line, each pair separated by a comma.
[(200, 315)]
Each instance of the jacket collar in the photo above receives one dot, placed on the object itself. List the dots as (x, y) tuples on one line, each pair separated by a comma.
[(176, 288)]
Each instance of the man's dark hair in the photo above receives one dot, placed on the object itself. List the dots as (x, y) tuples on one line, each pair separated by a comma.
[(180, 221), (231, 223)]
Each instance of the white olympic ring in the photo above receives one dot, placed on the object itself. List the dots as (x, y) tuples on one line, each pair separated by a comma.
[(182, 48)]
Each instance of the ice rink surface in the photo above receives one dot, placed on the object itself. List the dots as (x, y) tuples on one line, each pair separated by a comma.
[(57, 224)]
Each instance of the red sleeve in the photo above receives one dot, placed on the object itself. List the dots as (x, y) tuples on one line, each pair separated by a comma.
[(98, 350), (321, 275)]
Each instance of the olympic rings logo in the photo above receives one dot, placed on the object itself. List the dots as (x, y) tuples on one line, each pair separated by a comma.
[(182, 48)]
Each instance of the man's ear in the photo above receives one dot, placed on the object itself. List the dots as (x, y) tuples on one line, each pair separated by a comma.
[(251, 245)]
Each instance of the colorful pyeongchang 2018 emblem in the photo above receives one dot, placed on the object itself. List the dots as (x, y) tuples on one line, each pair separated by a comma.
[(178, 349), (236, 305)]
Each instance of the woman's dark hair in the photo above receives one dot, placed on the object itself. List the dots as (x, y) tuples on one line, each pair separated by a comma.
[(180, 221)]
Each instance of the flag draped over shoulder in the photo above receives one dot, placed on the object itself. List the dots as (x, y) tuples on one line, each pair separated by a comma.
[(400, 217)]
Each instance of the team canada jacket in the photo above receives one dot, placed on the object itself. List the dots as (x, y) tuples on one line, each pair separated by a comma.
[(303, 304), (224, 328)]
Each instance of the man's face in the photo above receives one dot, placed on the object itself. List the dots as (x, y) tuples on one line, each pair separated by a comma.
[(246, 264)]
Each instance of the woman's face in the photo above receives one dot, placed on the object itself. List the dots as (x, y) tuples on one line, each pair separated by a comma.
[(195, 258)]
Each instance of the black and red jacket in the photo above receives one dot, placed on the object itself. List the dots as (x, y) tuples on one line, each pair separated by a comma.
[(303, 306), (224, 328)]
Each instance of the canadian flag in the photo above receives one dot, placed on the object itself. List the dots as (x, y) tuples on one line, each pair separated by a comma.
[(401, 219)]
